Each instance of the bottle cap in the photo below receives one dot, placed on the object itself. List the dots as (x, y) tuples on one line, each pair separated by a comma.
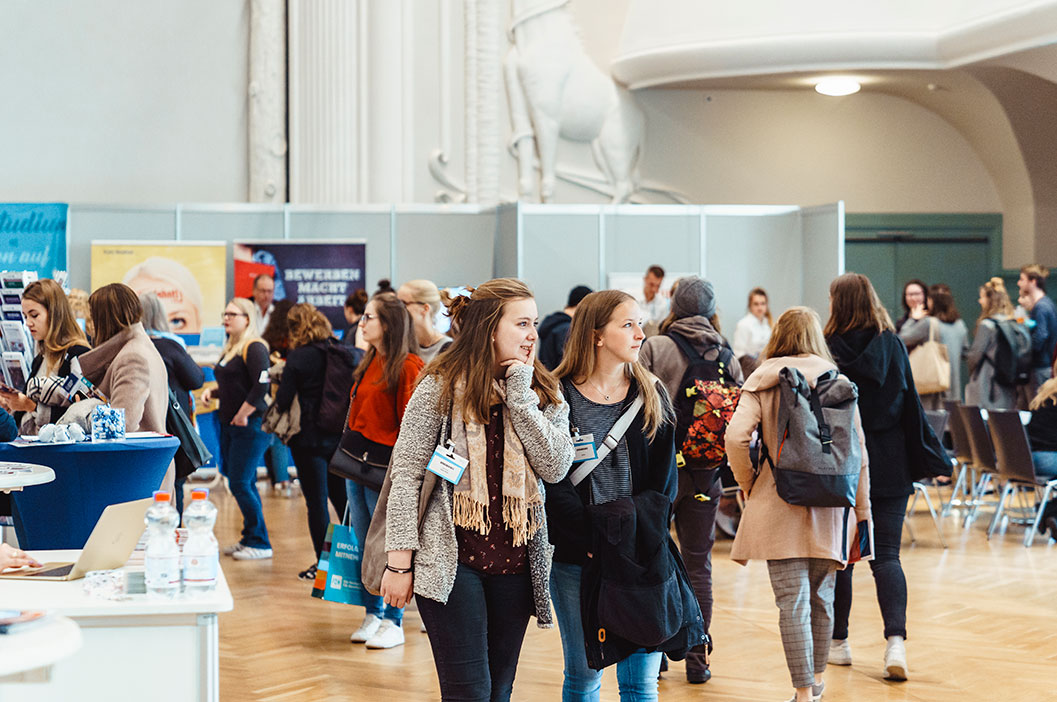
[(161, 496), (200, 494)]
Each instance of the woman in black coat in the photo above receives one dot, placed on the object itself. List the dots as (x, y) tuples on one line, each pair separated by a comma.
[(864, 344), (304, 376)]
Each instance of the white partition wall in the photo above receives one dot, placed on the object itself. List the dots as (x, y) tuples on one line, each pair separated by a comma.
[(791, 252)]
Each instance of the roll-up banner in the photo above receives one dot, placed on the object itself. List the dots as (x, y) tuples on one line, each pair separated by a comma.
[(33, 237)]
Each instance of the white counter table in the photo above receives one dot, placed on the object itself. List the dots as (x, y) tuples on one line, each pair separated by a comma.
[(166, 647)]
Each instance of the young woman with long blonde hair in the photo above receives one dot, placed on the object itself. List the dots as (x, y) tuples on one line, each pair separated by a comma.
[(803, 546), (984, 390), (601, 377), (242, 385), (423, 302), (479, 565)]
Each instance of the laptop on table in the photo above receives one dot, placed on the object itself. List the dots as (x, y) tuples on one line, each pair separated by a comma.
[(109, 546)]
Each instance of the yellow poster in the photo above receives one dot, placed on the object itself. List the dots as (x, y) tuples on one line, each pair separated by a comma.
[(189, 278)]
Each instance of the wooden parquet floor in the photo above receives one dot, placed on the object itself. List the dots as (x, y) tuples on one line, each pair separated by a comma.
[(982, 621)]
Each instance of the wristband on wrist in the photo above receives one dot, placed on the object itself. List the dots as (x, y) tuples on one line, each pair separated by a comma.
[(399, 571)]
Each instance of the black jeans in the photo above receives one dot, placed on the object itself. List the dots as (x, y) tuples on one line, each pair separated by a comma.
[(695, 524), (888, 515), (317, 485), (476, 637)]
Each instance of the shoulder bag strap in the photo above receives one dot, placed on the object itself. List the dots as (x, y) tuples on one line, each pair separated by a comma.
[(609, 443)]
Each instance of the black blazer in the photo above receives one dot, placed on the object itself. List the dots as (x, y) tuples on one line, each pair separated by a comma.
[(652, 468)]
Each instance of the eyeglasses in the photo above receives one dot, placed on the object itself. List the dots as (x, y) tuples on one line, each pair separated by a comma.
[(366, 317), (231, 315)]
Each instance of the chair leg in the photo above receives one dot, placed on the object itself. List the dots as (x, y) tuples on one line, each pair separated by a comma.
[(959, 483), (910, 530), (918, 488), (1029, 538), (935, 518), (998, 510), (978, 493)]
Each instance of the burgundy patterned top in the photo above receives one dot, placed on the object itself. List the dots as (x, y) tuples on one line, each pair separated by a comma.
[(493, 553)]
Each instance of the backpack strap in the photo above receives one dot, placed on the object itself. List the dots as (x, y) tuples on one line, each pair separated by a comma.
[(691, 353), (612, 440), (816, 409)]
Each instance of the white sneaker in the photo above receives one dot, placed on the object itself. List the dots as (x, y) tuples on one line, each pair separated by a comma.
[(389, 635), (248, 553), (895, 659), (423, 627), (233, 549), (367, 629), (840, 652)]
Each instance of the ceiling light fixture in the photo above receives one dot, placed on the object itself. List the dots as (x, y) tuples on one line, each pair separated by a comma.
[(838, 86)]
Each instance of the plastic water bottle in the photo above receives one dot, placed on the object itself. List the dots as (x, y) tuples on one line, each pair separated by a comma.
[(162, 558), (201, 557)]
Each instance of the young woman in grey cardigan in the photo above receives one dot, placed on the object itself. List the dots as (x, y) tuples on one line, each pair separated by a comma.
[(984, 390), (480, 564)]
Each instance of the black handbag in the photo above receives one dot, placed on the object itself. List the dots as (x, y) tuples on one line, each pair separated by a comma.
[(358, 459), (192, 453)]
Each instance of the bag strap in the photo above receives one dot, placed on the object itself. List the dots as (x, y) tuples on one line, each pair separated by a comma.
[(691, 353), (816, 409), (609, 443)]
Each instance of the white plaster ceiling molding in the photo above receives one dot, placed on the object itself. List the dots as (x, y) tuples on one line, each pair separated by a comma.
[(673, 42)]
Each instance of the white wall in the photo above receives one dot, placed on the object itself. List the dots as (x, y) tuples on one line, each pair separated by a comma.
[(123, 100)]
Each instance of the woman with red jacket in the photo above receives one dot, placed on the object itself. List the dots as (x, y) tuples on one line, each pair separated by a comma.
[(384, 381)]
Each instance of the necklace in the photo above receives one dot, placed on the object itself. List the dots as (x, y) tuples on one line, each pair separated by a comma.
[(599, 389)]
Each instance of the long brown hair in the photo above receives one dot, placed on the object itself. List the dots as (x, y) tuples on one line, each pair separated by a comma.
[(114, 307), (63, 331), (306, 325), (942, 304), (798, 331), (761, 293), (470, 359), (854, 305), (398, 340), (581, 348), (997, 299)]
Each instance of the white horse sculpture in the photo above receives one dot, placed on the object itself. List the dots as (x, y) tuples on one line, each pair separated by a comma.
[(555, 89)]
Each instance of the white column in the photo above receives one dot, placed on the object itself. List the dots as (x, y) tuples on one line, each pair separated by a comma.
[(327, 75), (484, 91), (267, 101)]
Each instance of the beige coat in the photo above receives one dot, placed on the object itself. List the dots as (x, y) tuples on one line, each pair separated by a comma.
[(130, 373), (770, 527)]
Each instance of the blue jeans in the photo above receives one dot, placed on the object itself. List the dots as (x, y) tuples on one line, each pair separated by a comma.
[(241, 451), (361, 508), (1045, 463), (636, 674), (277, 461)]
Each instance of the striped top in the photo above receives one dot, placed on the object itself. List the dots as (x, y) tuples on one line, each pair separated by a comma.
[(611, 479)]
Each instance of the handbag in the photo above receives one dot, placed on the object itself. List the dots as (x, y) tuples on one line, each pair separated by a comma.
[(286, 425), (192, 453), (930, 364), (374, 553), (338, 571), (358, 459)]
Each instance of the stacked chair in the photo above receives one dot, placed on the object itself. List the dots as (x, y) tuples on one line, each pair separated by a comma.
[(1017, 471)]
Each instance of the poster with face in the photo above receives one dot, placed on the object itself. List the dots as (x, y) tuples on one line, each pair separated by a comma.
[(322, 273), (189, 278)]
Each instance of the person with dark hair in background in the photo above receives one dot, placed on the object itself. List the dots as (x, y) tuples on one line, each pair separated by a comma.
[(653, 302), (1032, 285), (355, 304), (555, 328), (939, 319), (184, 375), (866, 349), (915, 298), (384, 286), (277, 336)]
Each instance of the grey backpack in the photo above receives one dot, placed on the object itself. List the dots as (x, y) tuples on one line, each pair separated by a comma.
[(818, 459)]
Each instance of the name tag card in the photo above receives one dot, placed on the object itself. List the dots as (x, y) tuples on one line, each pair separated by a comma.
[(584, 448), (447, 464)]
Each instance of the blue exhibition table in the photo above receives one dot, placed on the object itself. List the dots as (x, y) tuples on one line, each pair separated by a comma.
[(88, 477)]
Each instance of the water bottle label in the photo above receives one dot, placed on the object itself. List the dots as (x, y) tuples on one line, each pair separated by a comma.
[(162, 572), (200, 570)]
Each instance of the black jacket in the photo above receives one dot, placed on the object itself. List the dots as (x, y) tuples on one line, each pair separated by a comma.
[(304, 375), (652, 468), (1042, 429), (552, 333), (184, 374), (900, 442)]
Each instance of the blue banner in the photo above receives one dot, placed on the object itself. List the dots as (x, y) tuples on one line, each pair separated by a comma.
[(33, 238)]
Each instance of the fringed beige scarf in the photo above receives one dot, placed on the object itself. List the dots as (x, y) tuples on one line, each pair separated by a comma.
[(522, 502)]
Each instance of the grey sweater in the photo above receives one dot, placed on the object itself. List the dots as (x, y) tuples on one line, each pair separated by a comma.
[(982, 390), (548, 447), (953, 335)]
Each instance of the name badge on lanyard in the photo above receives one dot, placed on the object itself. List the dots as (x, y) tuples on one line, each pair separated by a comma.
[(447, 464), (584, 447)]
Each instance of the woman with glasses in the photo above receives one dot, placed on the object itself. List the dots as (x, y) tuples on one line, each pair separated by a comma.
[(242, 385), (423, 303), (384, 381)]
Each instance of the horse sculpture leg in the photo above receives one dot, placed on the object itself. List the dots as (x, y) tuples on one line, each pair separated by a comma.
[(522, 143), (620, 145)]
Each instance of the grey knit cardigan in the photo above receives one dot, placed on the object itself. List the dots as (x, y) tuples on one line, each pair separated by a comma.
[(548, 447)]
